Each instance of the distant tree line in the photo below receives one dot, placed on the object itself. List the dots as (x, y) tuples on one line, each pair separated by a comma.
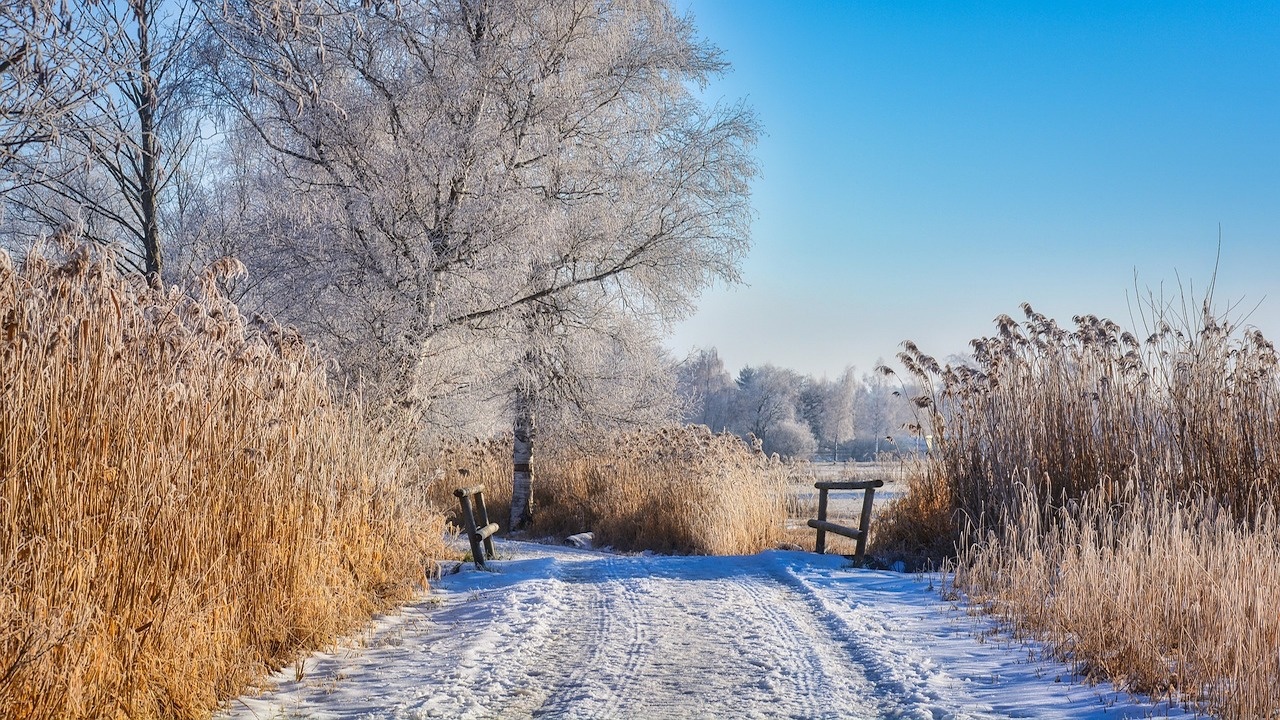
[(799, 416)]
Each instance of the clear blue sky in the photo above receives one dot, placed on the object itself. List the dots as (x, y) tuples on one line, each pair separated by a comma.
[(928, 166)]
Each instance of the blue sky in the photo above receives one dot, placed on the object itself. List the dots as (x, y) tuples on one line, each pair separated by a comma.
[(928, 166)]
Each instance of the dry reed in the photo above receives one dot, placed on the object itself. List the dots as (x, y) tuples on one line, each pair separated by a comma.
[(182, 503), (917, 528), (682, 490), (1170, 599), (452, 463), (678, 490), (1114, 496)]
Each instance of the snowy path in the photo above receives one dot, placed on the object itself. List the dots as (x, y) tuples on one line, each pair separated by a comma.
[(561, 633)]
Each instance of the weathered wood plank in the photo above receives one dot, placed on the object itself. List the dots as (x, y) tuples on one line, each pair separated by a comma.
[(864, 522), (848, 484), (479, 533), (825, 526), (484, 520)]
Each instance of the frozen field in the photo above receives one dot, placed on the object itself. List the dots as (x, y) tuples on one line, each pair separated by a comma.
[(562, 633)]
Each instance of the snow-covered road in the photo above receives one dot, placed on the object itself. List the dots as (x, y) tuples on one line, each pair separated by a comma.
[(563, 633)]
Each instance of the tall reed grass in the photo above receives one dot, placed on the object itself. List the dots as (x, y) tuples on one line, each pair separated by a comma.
[(679, 490), (1170, 598), (183, 503), (1115, 496), (450, 463), (682, 490)]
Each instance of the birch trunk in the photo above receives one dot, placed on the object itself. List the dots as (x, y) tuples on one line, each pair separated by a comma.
[(521, 458)]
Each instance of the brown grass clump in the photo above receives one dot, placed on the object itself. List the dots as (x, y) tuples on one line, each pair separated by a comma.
[(182, 504), (920, 526), (680, 490), (674, 490), (1170, 599), (1194, 407), (452, 463), (1115, 495)]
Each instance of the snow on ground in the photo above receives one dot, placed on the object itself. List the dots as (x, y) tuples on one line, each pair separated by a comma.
[(559, 632)]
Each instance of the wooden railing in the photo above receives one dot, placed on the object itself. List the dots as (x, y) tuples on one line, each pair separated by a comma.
[(477, 532), (864, 522)]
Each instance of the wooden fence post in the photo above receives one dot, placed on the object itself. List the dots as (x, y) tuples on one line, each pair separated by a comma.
[(820, 545), (868, 488), (477, 533), (484, 521), (864, 523)]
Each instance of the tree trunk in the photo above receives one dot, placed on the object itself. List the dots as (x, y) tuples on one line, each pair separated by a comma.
[(521, 457), (149, 180)]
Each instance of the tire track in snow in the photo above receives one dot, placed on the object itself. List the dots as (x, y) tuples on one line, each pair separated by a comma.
[(829, 685), (604, 621), (878, 638), (666, 636), (560, 633)]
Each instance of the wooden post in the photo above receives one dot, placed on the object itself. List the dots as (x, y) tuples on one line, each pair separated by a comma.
[(864, 523), (484, 522), (475, 532), (468, 517), (820, 546)]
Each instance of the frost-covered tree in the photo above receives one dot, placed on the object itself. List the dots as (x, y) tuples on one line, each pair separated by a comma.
[(765, 406), (790, 439), (707, 390), (524, 173), (873, 407), (38, 80), (827, 407), (116, 85), (882, 407), (48, 70)]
